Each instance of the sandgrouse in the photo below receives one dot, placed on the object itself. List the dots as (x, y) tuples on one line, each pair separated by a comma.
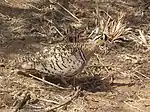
[(63, 60)]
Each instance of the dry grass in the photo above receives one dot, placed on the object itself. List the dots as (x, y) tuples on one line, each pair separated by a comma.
[(25, 28), (114, 29), (141, 39)]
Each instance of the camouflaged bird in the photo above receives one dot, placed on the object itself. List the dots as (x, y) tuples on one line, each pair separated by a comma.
[(62, 60)]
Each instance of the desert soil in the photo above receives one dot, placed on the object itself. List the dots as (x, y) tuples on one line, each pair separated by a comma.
[(24, 29)]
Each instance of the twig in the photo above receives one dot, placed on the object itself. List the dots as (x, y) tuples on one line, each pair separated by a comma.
[(95, 31), (50, 21), (21, 102), (107, 14), (134, 107), (52, 84), (69, 12), (34, 7), (104, 68), (139, 73), (58, 31), (17, 28), (35, 107), (50, 101), (55, 107), (73, 6), (142, 74), (142, 38), (101, 63)]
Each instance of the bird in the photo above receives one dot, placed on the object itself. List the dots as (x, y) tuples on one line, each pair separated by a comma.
[(63, 60)]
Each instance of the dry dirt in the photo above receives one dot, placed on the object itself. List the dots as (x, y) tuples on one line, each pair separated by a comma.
[(24, 29)]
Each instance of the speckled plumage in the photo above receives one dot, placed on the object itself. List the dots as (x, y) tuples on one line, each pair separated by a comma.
[(61, 60)]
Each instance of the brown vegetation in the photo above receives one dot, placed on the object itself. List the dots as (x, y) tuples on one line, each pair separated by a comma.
[(28, 25)]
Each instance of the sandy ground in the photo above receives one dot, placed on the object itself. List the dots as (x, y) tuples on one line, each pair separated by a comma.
[(24, 29)]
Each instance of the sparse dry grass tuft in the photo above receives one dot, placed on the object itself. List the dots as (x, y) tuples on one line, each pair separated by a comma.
[(114, 29)]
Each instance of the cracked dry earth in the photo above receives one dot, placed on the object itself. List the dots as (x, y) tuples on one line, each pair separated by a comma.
[(129, 64)]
